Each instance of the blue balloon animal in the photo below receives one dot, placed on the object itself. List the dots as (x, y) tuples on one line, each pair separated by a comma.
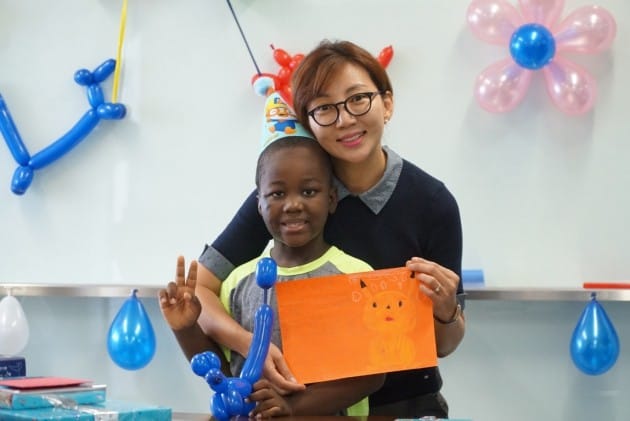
[(230, 392), (99, 109)]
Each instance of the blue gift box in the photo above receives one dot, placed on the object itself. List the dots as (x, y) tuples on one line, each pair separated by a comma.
[(110, 410), (12, 367), (88, 394)]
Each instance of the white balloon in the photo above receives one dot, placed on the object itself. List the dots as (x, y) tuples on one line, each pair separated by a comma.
[(14, 330)]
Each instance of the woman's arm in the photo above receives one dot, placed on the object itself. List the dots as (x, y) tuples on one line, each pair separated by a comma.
[(442, 268), (325, 398)]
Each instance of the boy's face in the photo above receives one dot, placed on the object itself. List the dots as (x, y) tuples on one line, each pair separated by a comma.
[(295, 196)]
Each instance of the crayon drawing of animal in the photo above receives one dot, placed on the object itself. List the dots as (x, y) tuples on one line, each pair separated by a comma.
[(390, 315)]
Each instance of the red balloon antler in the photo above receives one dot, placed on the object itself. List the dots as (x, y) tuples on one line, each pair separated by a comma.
[(282, 79), (385, 56)]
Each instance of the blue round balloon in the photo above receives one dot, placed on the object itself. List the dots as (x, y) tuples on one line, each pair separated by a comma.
[(594, 344), (532, 46), (131, 339)]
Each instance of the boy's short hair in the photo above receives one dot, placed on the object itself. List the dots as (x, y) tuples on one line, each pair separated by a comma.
[(292, 142)]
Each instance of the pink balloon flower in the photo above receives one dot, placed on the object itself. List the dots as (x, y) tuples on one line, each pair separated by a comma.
[(536, 37)]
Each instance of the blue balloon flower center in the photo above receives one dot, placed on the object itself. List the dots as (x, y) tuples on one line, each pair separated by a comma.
[(532, 46)]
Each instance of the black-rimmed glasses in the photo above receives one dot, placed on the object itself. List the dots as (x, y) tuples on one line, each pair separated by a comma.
[(356, 105)]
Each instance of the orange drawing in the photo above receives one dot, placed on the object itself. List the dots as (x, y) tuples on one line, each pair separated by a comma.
[(391, 315), (355, 324)]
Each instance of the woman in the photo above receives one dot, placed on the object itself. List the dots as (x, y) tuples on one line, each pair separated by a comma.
[(390, 214)]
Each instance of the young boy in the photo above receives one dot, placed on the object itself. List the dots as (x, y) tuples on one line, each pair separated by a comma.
[(295, 196)]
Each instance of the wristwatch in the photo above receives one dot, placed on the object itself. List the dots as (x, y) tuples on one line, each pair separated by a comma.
[(454, 317)]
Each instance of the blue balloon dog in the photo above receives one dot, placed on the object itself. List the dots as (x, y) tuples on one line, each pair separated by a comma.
[(230, 392)]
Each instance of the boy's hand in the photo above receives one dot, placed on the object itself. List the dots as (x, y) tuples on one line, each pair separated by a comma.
[(269, 403), (277, 372), (178, 303)]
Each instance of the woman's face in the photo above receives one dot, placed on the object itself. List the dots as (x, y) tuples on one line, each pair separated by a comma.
[(351, 139)]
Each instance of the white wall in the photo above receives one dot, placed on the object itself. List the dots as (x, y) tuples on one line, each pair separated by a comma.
[(542, 194)]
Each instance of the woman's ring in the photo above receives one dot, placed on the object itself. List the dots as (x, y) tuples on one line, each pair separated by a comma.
[(437, 289)]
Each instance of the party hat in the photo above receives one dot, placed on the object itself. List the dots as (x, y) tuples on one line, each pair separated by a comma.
[(279, 119)]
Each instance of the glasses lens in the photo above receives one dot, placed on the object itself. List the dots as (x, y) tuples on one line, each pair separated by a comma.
[(325, 115), (359, 104)]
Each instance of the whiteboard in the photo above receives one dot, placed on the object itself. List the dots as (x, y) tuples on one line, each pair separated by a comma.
[(543, 196)]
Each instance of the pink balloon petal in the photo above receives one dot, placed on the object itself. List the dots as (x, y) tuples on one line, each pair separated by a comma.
[(545, 12), (571, 88), (502, 86), (589, 29), (493, 21)]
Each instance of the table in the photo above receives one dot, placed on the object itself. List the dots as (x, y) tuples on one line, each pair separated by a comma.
[(184, 416)]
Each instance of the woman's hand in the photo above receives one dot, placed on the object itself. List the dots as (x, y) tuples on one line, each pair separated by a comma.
[(438, 283), (178, 303), (278, 374)]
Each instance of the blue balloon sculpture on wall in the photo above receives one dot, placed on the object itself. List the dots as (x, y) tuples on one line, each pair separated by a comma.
[(131, 338), (230, 392), (594, 344), (99, 109)]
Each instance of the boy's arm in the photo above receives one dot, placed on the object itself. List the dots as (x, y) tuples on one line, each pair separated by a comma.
[(324, 398), (193, 341), (214, 319), (219, 325)]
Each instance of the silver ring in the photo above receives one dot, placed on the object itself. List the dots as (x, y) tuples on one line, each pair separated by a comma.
[(438, 289)]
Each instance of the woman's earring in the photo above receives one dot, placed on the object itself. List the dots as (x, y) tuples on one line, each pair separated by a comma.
[(386, 120)]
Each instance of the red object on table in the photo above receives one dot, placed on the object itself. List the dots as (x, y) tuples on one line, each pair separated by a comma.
[(606, 285), (26, 383)]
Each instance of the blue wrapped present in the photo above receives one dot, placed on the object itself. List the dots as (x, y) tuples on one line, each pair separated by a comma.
[(110, 410), (86, 394)]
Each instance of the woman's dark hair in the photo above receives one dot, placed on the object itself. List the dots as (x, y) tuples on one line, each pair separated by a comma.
[(318, 66)]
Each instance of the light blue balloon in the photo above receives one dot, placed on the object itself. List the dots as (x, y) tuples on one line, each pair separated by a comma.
[(532, 46), (594, 344), (131, 338)]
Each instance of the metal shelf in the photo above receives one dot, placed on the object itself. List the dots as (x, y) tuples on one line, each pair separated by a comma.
[(472, 293), (546, 294)]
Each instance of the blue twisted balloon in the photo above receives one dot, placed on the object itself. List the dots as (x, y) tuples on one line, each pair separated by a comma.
[(99, 109), (230, 392)]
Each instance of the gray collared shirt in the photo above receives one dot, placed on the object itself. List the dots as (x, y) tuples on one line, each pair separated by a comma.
[(376, 197)]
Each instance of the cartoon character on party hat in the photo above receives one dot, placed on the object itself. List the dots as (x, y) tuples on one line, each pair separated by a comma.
[(279, 119)]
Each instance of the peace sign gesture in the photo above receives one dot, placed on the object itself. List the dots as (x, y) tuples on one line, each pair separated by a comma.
[(178, 302)]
